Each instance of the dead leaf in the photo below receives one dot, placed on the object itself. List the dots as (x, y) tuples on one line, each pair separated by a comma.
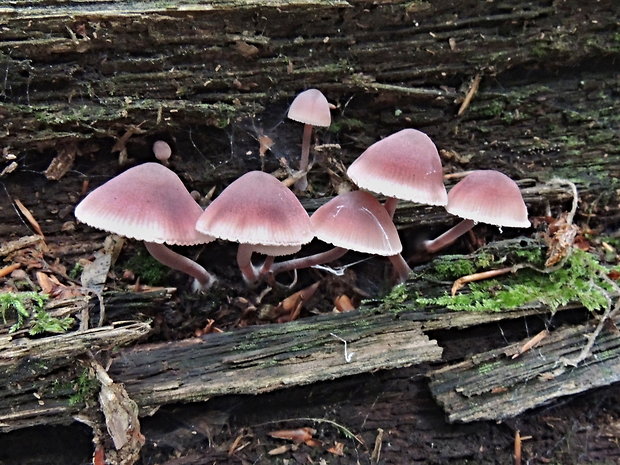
[(337, 449), (560, 238), (280, 450), (208, 329), (29, 217), (298, 435), (99, 456), (343, 303), (265, 143), (95, 273), (290, 308)]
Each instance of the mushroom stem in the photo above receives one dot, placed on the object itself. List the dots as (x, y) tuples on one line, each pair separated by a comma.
[(267, 264), (171, 259), (302, 183), (390, 205), (251, 274), (307, 262), (401, 267), (449, 236)]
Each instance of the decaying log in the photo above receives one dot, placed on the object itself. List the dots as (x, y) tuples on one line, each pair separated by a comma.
[(245, 361), (31, 368), (500, 384), (80, 79)]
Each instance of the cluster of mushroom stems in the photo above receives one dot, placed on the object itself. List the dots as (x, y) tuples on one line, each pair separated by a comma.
[(150, 203)]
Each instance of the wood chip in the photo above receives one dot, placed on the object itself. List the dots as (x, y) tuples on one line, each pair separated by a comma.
[(62, 162)]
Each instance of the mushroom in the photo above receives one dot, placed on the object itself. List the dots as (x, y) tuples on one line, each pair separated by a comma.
[(352, 221), (404, 165), (149, 203), (484, 196), (311, 108), (262, 215), (162, 151)]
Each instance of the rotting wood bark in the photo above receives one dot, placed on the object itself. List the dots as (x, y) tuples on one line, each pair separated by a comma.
[(30, 368), (246, 361), (84, 73), (495, 386)]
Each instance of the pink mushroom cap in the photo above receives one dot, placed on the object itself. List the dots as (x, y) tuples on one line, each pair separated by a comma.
[(162, 150), (257, 209), (357, 221), (147, 202), (311, 107), (488, 196), (404, 165)]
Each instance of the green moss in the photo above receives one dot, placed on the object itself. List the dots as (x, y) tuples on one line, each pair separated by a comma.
[(346, 124), (150, 271), (397, 296), (490, 109), (577, 281), (76, 271), (452, 267), (84, 387), (24, 306), (488, 367)]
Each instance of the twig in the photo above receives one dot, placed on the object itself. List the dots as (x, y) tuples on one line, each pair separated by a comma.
[(473, 88)]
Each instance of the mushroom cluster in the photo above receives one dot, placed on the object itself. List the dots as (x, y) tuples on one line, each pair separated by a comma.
[(150, 203)]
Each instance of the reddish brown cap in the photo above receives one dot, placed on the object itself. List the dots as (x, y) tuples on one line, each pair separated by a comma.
[(257, 209), (488, 196), (357, 221), (404, 165), (147, 202), (311, 107)]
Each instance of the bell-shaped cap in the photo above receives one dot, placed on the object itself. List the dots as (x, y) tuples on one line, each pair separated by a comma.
[(257, 209), (488, 196), (404, 165), (147, 202), (310, 107), (357, 221)]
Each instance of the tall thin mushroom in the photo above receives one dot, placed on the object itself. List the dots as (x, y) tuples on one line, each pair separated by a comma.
[(483, 196), (311, 108), (150, 203)]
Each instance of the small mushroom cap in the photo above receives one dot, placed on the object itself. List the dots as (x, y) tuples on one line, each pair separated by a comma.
[(162, 150), (257, 209), (404, 165), (311, 107), (357, 221), (147, 202), (488, 196)]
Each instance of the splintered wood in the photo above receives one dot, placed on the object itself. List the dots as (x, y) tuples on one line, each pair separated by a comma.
[(504, 382)]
